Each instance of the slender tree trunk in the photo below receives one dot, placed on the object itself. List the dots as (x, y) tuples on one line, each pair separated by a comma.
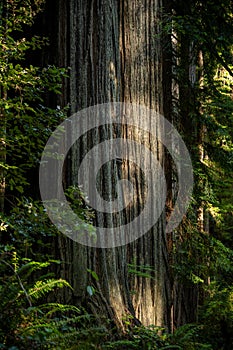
[(3, 97), (185, 294), (2, 153)]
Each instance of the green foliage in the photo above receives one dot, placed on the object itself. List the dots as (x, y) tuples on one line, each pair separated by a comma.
[(141, 270), (20, 13), (28, 230), (19, 308), (27, 320), (26, 121), (28, 323), (198, 256), (217, 317), (78, 202), (147, 338), (93, 274), (83, 223), (64, 328), (91, 290), (187, 337)]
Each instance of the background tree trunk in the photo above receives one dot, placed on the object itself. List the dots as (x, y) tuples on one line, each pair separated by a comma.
[(185, 293), (3, 97)]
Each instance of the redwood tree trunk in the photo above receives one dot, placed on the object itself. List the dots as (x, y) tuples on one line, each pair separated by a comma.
[(115, 54)]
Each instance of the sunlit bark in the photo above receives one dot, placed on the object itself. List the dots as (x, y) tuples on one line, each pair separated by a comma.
[(115, 54)]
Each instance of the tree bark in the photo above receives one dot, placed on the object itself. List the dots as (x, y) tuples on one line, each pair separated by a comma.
[(115, 54)]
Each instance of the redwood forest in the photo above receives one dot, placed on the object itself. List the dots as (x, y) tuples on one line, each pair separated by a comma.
[(116, 174)]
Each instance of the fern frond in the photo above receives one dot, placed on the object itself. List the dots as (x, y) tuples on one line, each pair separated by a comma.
[(43, 287), (30, 267), (56, 307)]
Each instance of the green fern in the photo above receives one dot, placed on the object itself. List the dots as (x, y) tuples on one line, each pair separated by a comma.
[(31, 266), (56, 307), (22, 323), (41, 288), (187, 337)]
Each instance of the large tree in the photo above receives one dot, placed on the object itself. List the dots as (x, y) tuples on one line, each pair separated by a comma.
[(115, 53)]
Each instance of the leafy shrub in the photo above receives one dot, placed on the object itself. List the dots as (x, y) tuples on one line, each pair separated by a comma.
[(28, 323), (152, 338), (217, 317)]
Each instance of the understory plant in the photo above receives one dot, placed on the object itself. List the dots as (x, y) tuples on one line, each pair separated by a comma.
[(28, 321)]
